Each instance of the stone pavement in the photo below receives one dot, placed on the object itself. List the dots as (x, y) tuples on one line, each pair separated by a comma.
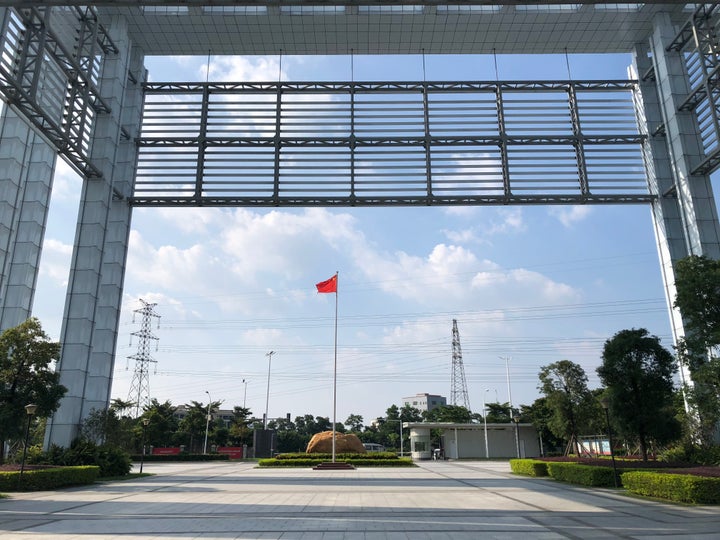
[(437, 500)]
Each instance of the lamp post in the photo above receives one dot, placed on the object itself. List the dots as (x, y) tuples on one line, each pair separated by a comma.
[(145, 422), (207, 422), (487, 453), (30, 410), (245, 394), (267, 397), (516, 419), (605, 403)]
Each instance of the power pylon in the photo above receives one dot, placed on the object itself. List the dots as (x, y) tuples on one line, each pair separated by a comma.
[(458, 385), (139, 393)]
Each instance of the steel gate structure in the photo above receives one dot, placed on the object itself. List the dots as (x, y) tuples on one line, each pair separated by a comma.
[(73, 79)]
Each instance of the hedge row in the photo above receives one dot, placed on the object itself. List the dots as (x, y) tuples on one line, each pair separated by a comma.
[(565, 471), (674, 487), (181, 457), (343, 457), (584, 475), (357, 462), (529, 467), (47, 479)]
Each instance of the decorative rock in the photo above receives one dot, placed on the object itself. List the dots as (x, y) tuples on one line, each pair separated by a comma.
[(345, 443)]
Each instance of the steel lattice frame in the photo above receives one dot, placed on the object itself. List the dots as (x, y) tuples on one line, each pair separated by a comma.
[(697, 41), (53, 87), (389, 143)]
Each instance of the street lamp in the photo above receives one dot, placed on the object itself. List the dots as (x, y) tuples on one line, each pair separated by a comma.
[(605, 403), (245, 394), (145, 422), (516, 419), (30, 410), (487, 453), (267, 398), (207, 422)]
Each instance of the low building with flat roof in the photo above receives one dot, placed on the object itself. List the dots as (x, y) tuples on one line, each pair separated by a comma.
[(474, 441)]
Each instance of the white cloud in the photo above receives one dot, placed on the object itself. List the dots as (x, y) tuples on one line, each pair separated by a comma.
[(504, 221), (67, 185), (56, 261), (571, 215), (243, 68)]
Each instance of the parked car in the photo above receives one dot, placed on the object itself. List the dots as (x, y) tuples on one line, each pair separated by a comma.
[(373, 447)]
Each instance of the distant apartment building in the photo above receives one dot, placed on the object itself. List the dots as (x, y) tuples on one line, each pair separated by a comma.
[(425, 402)]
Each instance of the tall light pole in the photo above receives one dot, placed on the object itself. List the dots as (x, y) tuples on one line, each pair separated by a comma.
[(605, 402), (516, 419), (145, 422), (245, 394), (30, 410), (267, 397), (207, 422), (487, 453), (507, 374)]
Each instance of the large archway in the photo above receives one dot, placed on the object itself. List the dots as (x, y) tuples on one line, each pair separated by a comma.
[(99, 134)]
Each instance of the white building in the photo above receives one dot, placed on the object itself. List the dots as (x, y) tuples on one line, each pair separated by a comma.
[(474, 441)]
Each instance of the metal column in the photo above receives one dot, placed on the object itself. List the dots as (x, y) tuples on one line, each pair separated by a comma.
[(97, 272), (684, 214)]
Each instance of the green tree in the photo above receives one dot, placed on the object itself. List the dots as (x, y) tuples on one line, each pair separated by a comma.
[(564, 385), (101, 426), (697, 282), (239, 430), (355, 423), (191, 429), (26, 376), (162, 426), (408, 413), (498, 413), (637, 372), (449, 413), (539, 415)]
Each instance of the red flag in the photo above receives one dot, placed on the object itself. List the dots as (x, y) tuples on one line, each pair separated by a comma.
[(328, 286)]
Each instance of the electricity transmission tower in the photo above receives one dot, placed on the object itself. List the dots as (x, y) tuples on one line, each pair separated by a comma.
[(139, 392), (458, 385)]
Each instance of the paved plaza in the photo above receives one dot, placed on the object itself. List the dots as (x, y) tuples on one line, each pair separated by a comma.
[(437, 500)]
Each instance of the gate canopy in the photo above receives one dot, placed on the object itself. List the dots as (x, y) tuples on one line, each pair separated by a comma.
[(389, 143)]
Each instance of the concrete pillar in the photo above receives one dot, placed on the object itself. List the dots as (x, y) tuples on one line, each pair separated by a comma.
[(27, 165), (684, 216), (92, 307)]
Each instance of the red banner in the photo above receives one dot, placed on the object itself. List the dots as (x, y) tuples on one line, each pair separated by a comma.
[(170, 451), (235, 452)]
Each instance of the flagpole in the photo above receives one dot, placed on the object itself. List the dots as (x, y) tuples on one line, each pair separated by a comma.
[(335, 371)]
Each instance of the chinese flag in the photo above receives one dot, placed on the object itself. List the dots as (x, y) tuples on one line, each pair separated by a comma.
[(327, 286)]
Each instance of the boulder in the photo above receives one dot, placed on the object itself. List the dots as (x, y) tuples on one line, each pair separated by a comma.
[(345, 443)]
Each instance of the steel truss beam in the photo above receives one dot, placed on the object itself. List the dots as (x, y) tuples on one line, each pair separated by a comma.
[(53, 87), (390, 143), (697, 42)]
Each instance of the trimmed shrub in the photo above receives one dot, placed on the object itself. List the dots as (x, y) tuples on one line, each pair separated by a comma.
[(584, 475), (181, 457), (685, 454), (47, 479), (529, 467), (357, 462), (112, 460), (673, 487), (326, 457)]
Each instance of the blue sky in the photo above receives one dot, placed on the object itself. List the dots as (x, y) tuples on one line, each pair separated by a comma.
[(533, 284)]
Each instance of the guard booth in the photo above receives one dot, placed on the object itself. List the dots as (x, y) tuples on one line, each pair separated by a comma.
[(474, 441)]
